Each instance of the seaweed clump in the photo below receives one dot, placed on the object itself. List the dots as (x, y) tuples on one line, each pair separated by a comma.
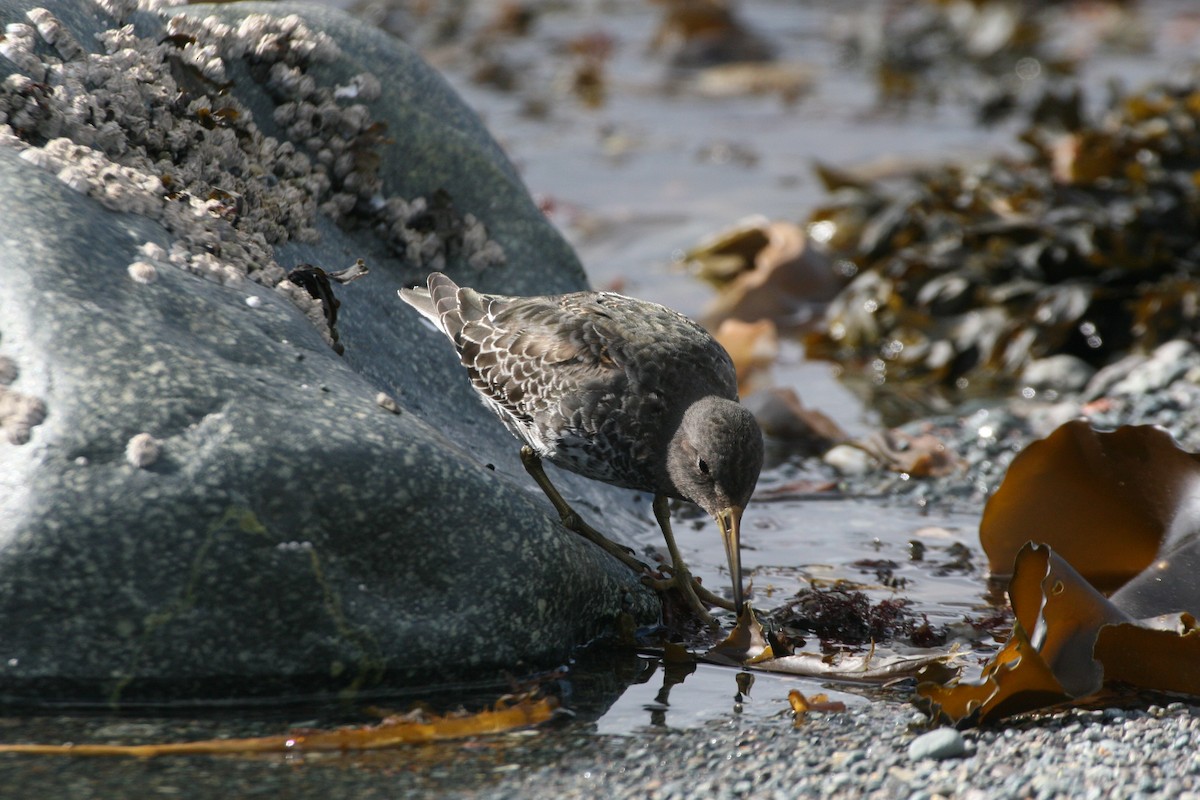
[(967, 274), (843, 617)]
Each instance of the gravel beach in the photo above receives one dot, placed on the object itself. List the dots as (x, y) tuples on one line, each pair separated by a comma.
[(864, 752)]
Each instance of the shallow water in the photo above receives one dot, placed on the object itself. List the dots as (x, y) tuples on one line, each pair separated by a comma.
[(640, 180), (634, 184), (659, 166)]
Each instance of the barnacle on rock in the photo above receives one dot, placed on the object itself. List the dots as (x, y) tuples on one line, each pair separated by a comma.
[(142, 450), (19, 413), (148, 126)]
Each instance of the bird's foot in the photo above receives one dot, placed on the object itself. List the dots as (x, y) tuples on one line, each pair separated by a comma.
[(710, 598), (701, 593), (695, 597)]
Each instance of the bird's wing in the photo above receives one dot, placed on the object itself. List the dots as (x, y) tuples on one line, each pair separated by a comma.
[(528, 354), (670, 349)]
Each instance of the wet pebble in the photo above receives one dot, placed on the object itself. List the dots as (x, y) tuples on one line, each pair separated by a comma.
[(1062, 373), (938, 744), (848, 460), (1162, 389), (1168, 362)]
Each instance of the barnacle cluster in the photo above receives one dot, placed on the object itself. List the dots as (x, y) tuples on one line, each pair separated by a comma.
[(19, 413), (966, 274), (150, 126)]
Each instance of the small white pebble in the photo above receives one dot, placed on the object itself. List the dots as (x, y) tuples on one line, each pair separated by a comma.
[(153, 251), (369, 86), (387, 402), (143, 272), (848, 460), (254, 301), (142, 450)]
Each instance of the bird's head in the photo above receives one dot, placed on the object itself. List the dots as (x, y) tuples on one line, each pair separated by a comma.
[(713, 460)]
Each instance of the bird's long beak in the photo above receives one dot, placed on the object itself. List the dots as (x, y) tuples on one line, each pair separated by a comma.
[(730, 521)]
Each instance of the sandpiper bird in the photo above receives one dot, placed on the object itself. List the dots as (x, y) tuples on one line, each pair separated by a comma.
[(616, 389)]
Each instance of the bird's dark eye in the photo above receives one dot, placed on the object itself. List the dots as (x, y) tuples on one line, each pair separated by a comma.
[(702, 465)]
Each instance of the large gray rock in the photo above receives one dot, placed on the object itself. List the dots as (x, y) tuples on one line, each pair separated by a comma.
[(198, 496)]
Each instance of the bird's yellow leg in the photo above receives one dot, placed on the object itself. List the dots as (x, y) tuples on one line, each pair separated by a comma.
[(570, 519), (697, 597), (694, 594)]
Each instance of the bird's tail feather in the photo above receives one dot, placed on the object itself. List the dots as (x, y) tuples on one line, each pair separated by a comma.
[(442, 302), (419, 299), (444, 293)]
